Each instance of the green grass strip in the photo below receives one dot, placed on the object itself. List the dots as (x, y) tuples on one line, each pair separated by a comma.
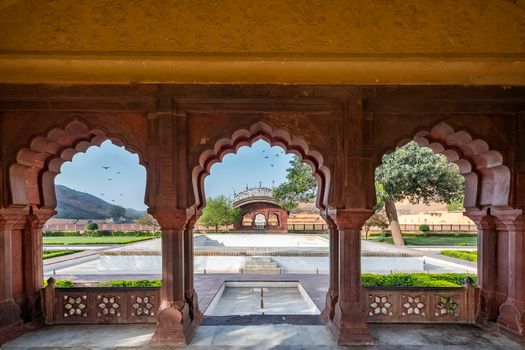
[(92, 240)]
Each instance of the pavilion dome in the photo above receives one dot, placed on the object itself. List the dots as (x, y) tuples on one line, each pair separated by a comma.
[(254, 194)]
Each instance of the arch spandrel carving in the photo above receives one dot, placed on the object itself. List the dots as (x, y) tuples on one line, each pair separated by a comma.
[(246, 137), (487, 178), (32, 173)]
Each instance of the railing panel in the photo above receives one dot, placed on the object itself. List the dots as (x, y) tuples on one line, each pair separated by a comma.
[(101, 305), (421, 305)]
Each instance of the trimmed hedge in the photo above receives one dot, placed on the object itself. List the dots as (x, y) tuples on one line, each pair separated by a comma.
[(48, 254), (470, 255), (367, 280), (416, 279), (128, 283), (101, 233)]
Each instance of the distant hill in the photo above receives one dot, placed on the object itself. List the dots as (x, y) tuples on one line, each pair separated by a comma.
[(73, 204)]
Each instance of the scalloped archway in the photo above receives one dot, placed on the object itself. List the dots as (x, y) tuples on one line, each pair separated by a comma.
[(275, 137), (32, 176), (487, 179)]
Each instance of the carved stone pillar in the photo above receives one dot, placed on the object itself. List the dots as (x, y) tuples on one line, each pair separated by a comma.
[(11, 324), (32, 246), (512, 311), (333, 288), (487, 264), (349, 322), (189, 285), (174, 324)]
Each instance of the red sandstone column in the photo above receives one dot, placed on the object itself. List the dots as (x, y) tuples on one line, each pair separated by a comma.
[(487, 264), (189, 292), (33, 263), (11, 324), (333, 289), (512, 312), (174, 327), (350, 318)]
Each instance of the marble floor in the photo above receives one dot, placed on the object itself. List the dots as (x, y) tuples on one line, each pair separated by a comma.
[(269, 336)]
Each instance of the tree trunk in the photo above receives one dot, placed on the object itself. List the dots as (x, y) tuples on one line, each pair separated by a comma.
[(391, 214), (216, 228)]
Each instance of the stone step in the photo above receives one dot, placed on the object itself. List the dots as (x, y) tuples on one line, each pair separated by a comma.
[(262, 266), (274, 271), (262, 259), (256, 263)]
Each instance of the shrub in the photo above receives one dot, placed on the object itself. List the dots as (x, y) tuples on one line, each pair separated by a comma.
[(131, 284), (92, 226), (415, 280), (424, 228), (461, 254), (61, 233)]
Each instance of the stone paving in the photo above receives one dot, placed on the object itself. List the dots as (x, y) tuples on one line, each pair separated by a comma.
[(270, 336)]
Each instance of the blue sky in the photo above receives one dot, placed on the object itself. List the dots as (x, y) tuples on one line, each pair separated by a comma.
[(249, 166)]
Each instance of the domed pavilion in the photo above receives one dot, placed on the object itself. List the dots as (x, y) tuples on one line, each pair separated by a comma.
[(260, 211)]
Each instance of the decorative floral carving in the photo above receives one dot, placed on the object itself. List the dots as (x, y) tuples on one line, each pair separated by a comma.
[(75, 306), (447, 306), (108, 306), (413, 305), (142, 306), (380, 305)]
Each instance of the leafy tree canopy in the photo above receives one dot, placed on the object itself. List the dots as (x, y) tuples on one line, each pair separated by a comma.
[(418, 175), (92, 226), (147, 220), (219, 212), (300, 187), (116, 212)]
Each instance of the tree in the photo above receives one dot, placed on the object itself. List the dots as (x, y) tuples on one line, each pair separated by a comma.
[(92, 226), (415, 174), (219, 212), (376, 220), (116, 212), (300, 187), (147, 220)]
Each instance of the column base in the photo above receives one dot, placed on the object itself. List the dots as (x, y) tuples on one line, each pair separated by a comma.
[(11, 325), (329, 310), (350, 327), (174, 325), (512, 317), (193, 303), (488, 308)]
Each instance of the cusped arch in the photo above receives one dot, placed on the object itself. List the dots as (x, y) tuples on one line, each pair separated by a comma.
[(32, 176), (275, 137), (487, 179)]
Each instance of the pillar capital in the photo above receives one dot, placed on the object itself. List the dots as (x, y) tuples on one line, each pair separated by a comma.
[(349, 218), (13, 218), (508, 219), (172, 218)]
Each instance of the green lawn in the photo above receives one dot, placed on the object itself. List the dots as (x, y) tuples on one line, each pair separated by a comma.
[(92, 240), (48, 254), (434, 239), (470, 255)]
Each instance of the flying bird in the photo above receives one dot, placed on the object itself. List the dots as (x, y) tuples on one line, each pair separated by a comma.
[(102, 194), (118, 172), (264, 151), (105, 167), (110, 179), (112, 200), (266, 157), (277, 155), (121, 194), (271, 165)]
